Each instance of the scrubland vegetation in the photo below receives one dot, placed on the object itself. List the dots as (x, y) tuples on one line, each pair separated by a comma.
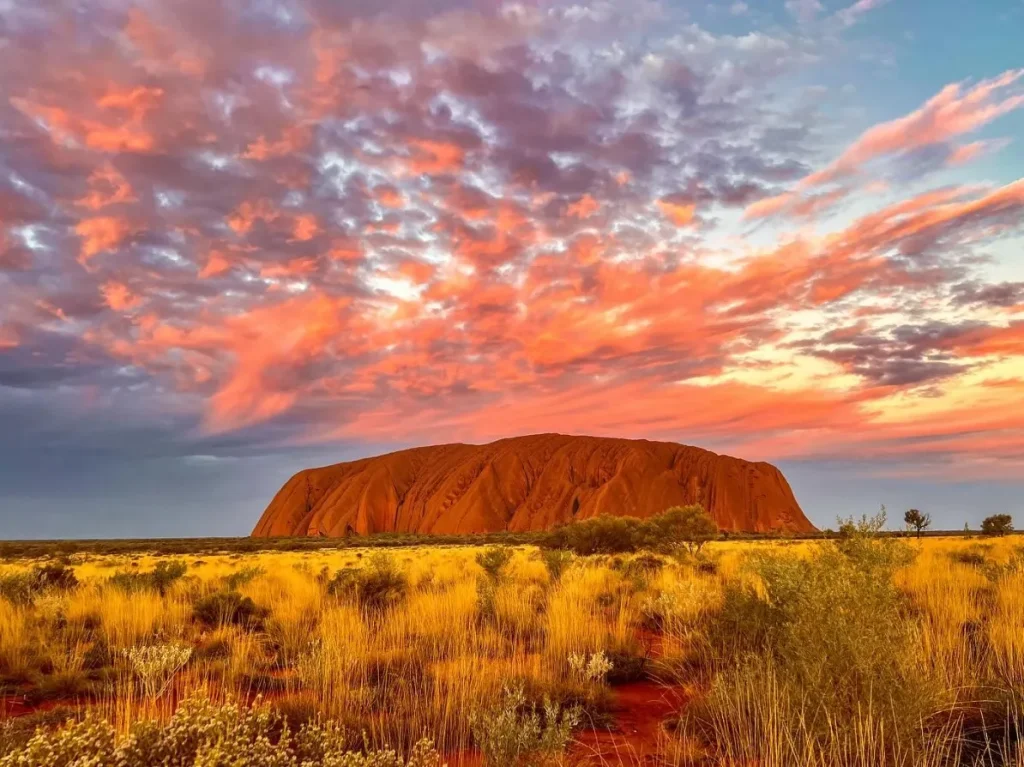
[(863, 650)]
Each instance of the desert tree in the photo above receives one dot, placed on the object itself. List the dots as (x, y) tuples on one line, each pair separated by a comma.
[(917, 520), (690, 526), (997, 524)]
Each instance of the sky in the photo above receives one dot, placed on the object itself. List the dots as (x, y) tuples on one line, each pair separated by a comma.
[(239, 239)]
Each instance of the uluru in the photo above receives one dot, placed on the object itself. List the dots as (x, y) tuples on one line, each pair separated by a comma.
[(528, 483)]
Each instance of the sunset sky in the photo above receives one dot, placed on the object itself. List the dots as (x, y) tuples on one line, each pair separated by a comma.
[(237, 239)]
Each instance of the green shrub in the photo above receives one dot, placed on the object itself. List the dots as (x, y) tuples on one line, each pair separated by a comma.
[(513, 733), (229, 608), (61, 685), (55, 576), (166, 573), (599, 535), (627, 667), (377, 586), (23, 588), (973, 556), (127, 580), (242, 577), (644, 564), (706, 566), (689, 526), (831, 632), (493, 560), (486, 591), (556, 561), (159, 579)]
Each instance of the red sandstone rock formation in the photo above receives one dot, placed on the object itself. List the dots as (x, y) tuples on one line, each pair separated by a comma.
[(528, 483)]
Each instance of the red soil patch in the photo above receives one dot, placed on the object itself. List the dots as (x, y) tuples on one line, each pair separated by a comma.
[(16, 705), (640, 711)]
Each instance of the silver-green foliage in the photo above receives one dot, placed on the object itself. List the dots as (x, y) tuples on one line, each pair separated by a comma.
[(513, 733), (201, 734)]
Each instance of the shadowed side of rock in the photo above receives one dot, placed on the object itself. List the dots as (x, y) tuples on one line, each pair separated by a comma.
[(528, 483)]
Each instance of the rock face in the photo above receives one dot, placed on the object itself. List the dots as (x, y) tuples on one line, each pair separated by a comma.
[(528, 483)]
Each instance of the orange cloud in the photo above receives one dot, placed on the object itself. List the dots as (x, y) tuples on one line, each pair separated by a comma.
[(418, 272), (769, 206), (271, 345), (100, 234), (248, 213), (8, 337), (137, 102), (343, 250), (389, 197), (66, 128), (680, 214), (296, 267), (106, 187), (118, 297), (1007, 340), (433, 158), (305, 228), (292, 140), (216, 263), (584, 207)]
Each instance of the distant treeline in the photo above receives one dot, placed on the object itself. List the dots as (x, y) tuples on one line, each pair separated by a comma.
[(181, 546)]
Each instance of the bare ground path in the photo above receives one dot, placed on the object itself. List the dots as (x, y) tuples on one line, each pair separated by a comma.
[(639, 714)]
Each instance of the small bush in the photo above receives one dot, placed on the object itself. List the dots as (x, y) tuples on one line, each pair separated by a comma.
[(229, 608), (155, 665), (242, 577), (55, 576), (626, 668), (159, 579), (599, 535), (377, 586), (689, 526), (644, 564), (23, 588), (592, 668), (830, 633), (165, 574), (97, 656), (63, 685), (494, 560), (974, 556), (486, 592), (513, 733), (200, 733), (556, 561), (707, 566)]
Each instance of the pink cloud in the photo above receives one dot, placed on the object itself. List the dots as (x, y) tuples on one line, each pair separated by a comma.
[(955, 110), (100, 234)]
